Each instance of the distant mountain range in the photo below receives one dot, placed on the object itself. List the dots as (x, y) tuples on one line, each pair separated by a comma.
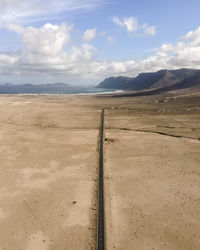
[(144, 84), (155, 82)]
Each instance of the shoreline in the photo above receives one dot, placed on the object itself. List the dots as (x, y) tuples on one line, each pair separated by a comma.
[(64, 94)]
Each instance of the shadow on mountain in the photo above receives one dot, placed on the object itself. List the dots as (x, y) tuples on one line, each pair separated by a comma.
[(159, 82)]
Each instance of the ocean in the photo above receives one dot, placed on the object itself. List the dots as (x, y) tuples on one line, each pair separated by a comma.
[(52, 89)]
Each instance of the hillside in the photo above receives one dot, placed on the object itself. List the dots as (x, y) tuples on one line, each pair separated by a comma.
[(120, 82), (190, 85), (152, 80)]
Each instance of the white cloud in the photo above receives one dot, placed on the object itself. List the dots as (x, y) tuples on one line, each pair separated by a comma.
[(89, 35), (33, 10), (47, 40), (85, 53), (43, 52), (110, 39), (117, 21), (103, 34), (148, 30), (8, 64), (131, 25), (47, 51), (193, 37)]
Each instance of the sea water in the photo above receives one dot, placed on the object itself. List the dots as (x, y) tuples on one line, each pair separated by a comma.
[(35, 89)]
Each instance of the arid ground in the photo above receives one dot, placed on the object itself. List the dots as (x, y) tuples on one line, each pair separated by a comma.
[(49, 172)]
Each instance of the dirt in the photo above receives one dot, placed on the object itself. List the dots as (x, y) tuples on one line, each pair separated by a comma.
[(49, 172), (152, 177)]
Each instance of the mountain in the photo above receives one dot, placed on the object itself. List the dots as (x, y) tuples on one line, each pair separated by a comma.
[(149, 81), (120, 82), (192, 81), (190, 85)]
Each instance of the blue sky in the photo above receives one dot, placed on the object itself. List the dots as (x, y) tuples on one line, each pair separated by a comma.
[(84, 41)]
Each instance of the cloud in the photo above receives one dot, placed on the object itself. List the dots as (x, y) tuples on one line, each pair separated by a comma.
[(43, 52), (110, 39), (131, 25), (83, 54), (48, 51), (23, 11), (8, 64), (193, 37), (89, 35), (47, 40), (148, 30), (103, 34)]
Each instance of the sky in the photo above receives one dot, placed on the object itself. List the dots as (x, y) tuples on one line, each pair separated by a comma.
[(81, 42)]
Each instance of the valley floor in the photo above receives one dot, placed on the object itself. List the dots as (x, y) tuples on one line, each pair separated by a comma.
[(49, 172)]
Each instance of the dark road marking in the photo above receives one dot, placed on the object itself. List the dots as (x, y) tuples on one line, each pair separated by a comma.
[(100, 219)]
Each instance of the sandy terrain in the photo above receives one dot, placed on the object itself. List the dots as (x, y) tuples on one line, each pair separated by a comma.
[(152, 176), (49, 168), (48, 173)]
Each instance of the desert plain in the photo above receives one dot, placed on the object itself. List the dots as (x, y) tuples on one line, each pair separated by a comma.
[(49, 159)]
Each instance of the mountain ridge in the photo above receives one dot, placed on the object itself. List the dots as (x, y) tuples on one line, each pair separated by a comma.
[(155, 82)]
